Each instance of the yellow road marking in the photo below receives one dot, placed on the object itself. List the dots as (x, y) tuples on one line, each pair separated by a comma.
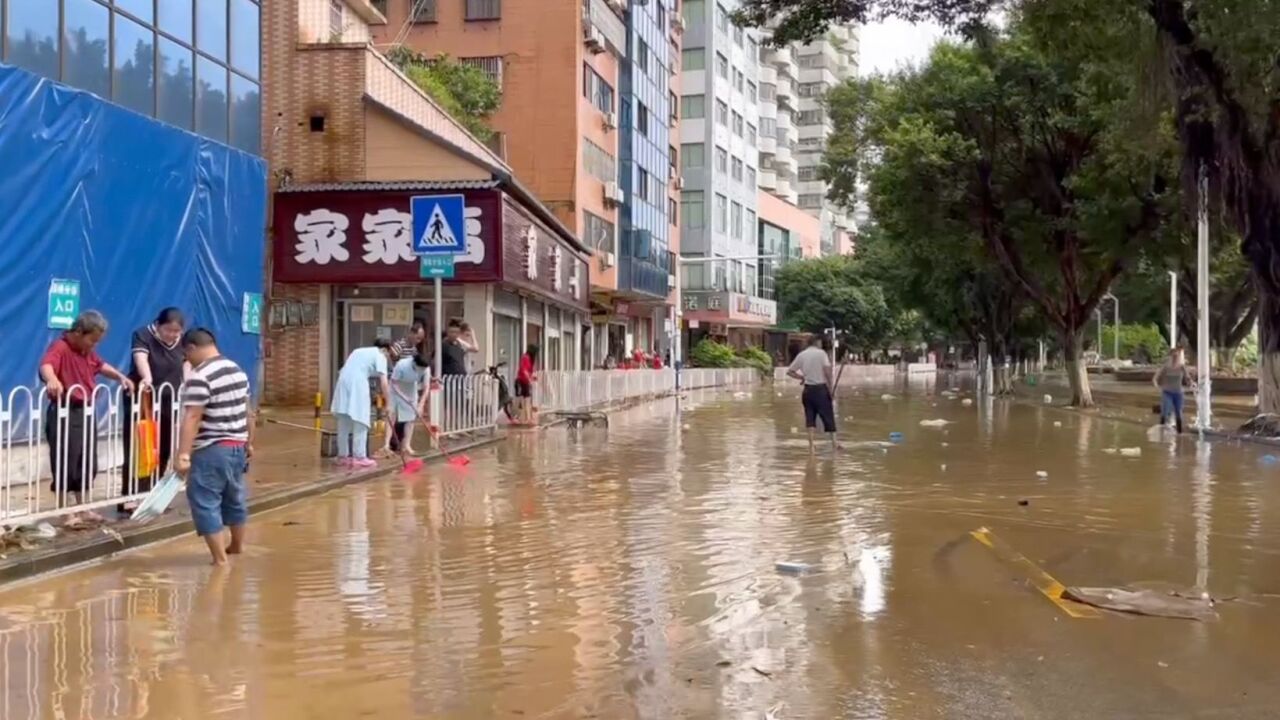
[(1043, 581)]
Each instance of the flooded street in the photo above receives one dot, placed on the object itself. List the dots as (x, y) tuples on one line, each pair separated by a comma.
[(630, 573)]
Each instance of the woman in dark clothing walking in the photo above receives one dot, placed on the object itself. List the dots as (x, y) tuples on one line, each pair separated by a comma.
[(158, 369)]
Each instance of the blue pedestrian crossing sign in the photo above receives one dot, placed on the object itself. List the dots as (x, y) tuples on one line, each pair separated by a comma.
[(439, 227)]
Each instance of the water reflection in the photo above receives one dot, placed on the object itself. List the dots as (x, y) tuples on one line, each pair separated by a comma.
[(630, 572)]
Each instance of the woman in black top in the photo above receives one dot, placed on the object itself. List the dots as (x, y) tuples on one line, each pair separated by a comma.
[(158, 368)]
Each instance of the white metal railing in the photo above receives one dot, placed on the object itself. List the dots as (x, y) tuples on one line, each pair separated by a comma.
[(68, 455), (468, 403), (567, 391)]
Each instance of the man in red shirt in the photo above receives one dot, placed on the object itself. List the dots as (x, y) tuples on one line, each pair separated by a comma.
[(70, 370)]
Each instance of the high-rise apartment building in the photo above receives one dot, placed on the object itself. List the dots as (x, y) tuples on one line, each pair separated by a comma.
[(794, 82), (584, 122)]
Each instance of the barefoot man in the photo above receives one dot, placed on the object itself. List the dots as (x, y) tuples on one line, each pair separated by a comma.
[(216, 441), (813, 368)]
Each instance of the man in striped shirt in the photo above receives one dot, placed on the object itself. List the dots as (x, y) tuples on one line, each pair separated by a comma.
[(215, 443)]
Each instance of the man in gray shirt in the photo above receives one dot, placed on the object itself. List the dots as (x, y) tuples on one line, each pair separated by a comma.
[(813, 368)]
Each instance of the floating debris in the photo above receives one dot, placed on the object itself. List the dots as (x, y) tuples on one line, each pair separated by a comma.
[(1048, 399), (887, 396), (1143, 602), (896, 437), (1131, 452), (1057, 423), (967, 402), (1042, 474), (793, 568), (935, 423)]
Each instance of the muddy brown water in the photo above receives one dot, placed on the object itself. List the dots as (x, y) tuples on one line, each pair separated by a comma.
[(631, 574)]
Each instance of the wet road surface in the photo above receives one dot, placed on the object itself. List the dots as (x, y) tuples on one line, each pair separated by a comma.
[(630, 573)]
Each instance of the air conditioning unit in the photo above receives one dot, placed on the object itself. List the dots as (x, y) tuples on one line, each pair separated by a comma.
[(671, 281), (679, 182), (610, 121), (606, 260), (677, 23), (613, 193), (594, 40)]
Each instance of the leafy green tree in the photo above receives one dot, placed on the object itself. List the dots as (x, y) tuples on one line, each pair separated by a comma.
[(821, 293), (998, 143), (464, 91)]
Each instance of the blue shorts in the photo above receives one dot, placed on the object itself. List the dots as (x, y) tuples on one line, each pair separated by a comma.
[(215, 488)]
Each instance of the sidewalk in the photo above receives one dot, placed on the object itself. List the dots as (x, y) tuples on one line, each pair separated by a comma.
[(286, 467)]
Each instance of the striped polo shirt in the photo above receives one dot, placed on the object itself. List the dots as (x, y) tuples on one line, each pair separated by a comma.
[(220, 387)]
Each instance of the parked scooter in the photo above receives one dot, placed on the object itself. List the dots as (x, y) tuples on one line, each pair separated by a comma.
[(504, 393)]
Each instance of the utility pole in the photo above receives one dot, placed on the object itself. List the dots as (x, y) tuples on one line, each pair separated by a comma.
[(1173, 309), (1204, 410)]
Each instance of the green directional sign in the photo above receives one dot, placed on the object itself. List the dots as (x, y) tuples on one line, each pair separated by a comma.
[(436, 266), (64, 303), (251, 314)]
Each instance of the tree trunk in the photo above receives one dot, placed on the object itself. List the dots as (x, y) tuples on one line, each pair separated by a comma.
[(1269, 353), (1077, 372)]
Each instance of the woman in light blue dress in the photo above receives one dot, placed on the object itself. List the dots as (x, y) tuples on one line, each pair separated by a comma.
[(353, 403), (407, 398)]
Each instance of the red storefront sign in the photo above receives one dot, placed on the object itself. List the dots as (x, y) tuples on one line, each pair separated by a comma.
[(357, 236)]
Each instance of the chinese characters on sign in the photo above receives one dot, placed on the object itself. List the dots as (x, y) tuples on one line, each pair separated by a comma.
[(556, 277), (64, 303), (388, 237), (531, 252), (322, 237)]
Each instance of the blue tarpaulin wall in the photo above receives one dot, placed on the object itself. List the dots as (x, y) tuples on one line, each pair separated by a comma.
[(144, 215)]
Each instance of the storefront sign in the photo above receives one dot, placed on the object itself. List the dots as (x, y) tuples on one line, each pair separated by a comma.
[(367, 236), (64, 303), (529, 259)]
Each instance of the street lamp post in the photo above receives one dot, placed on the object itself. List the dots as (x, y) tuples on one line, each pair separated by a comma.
[(1204, 410), (1115, 330), (1173, 309)]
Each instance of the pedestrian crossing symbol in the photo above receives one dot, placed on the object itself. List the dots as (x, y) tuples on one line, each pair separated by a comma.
[(438, 224)]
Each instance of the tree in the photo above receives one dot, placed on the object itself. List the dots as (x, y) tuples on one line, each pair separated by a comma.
[(996, 142), (464, 91), (822, 293), (1218, 60)]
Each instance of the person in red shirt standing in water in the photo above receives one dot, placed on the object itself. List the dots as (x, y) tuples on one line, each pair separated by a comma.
[(70, 370), (525, 378)]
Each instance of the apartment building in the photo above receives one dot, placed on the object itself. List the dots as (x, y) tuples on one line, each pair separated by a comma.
[(795, 125), (585, 123)]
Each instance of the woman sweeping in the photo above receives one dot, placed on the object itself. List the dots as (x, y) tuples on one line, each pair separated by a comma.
[(408, 399), (158, 370), (352, 402)]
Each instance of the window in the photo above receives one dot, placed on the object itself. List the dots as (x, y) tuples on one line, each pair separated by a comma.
[(662, 14), (642, 56), (246, 114), (808, 173), (600, 164), (811, 201), (673, 215), (766, 162), (722, 66), (813, 89), (595, 89), (722, 18), (737, 169), (33, 36), (751, 177), (750, 229), (484, 9), (133, 83), (694, 13), (642, 119), (211, 26), (140, 9), (722, 160), (737, 79), (810, 117), (693, 107), (737, 35), (694, 59), (768, 92), (768, 127), (737, 221), (753, 92), (177, 84), (751, 135), (642, 184), (722, 112), (693, 209), (424, 11), (245, 49), (737, 124), (673, 159), (490, 65), (176, 19), (673, 103), (810, 61), (84, 43), (211, 99), (336, 20), (753, 48), (598, 232), (722, 213), (693, 156)]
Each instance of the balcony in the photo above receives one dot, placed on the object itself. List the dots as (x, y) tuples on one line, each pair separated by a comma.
[(768, 145), (779, 56)]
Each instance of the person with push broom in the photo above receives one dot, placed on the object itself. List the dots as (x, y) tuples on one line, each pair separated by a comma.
[(408, 400)]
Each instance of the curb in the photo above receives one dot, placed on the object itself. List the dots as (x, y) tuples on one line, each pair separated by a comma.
[(97, 545)]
